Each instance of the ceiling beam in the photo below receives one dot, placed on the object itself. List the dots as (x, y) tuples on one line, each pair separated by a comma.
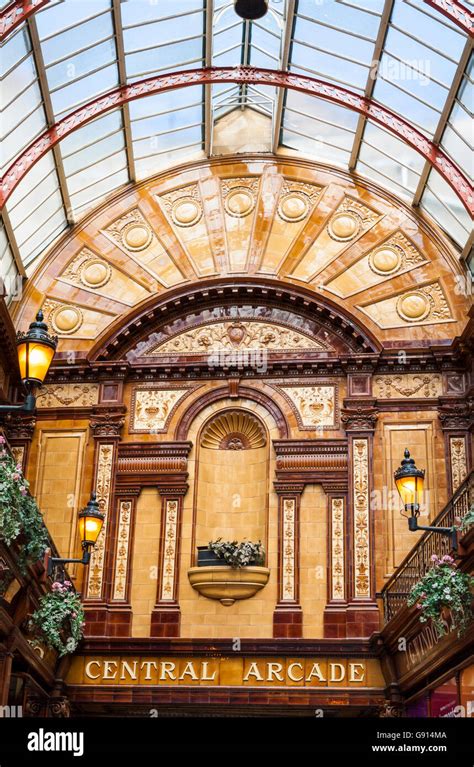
[(444, 117), (127, 126), (285, 57), (208, 114), (12, 242), (371, 79), (50, 117), (16, 13), (312, 86)]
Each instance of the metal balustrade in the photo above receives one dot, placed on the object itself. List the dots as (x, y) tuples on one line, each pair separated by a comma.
[(395, 592)]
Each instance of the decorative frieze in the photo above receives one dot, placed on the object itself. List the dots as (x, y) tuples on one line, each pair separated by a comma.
[(338, 589), (315, 406), (237, 335), (152, 408), (359, 415), (428, 386), (361, 519), (239, 195), (184, 206), (296, 200), (122, 550), (458, 459), (170, 544), (88, 270), (67, 395), (351, 218), (288, 550), (105, 461)]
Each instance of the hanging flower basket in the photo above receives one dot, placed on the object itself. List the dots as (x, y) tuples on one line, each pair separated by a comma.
[(444, 596), (59, 621)]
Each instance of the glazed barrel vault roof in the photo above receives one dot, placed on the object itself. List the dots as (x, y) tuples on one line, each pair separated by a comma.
[(79, 150)]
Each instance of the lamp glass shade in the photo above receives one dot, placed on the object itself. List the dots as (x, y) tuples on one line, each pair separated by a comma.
[(90, 523), (410, 489), (34, 359)]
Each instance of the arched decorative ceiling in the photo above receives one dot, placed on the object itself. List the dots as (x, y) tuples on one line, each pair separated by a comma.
[(60, 54), (260, 222)]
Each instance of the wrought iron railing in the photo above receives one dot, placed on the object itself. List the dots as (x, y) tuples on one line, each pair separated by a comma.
[(418, 561)]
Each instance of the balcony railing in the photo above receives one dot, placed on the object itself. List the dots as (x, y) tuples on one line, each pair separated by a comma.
[(418, 561)]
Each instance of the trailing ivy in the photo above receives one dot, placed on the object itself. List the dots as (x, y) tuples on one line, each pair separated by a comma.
[(444, 586), (467, 521), (59, 619), (238, 554), (19, 512)]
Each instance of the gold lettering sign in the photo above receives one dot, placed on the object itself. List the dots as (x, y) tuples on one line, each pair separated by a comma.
[(227, 671)]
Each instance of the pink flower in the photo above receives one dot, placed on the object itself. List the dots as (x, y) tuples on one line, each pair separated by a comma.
[(16, 477), (73, 615), (19, 467), (2, 440), (57, 586), (434, 558), (23, 491), (68, 584), (447, 559), (419, 607)]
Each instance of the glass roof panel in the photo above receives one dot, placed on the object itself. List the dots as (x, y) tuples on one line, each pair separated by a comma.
[(442, 203)]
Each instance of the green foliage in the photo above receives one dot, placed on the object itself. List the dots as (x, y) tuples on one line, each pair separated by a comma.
[(238, 554), (467, 521), (59, 619), (19, 513), (444, 586)]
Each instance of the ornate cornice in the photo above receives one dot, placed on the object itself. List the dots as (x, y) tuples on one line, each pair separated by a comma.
[(107, 422), (456, 413), (359, 415), (19, 426)]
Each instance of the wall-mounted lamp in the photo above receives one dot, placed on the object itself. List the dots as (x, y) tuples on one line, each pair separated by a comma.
[(36, 350), (410, 483), (91, 521)]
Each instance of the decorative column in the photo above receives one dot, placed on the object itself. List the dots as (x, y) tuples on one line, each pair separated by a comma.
[(6, 659), (106, 424), (335, 610), (456, 421), (121, 537), (288, 615), (362, 617), (19, 430), (166, 615)]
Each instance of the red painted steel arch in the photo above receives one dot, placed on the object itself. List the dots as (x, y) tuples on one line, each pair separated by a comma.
[(308, 85), (19, 10)]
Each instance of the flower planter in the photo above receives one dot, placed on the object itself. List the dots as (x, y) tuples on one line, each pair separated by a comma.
[(228, 584)]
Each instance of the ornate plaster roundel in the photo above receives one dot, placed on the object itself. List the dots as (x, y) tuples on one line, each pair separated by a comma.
[(136, 236), (344, 226), (385, 260), (293, 206), (95, 273), (186, 211), (233, 430), (66, 319), (239, 202), (413, 306)]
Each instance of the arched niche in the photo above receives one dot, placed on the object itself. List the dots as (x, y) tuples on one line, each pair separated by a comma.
[(232, 478)]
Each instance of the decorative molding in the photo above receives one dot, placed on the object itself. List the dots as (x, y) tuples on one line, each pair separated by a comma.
[(107, 423), (19, 426), (455, 413), (338, 586), (170, 545), (105, 467), (131, 231), (409, 385), (183, 206), (361, 518), (65, 395), (18, 453), (315, 406), (152, 407), (393, 255), (359, 415), (250, 334), (64, 319), (88, 269), (296, 200), (233, 430), (288, 543), (240, 195), (122, 550), (427, 303), (350, 219), (458, 459)]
